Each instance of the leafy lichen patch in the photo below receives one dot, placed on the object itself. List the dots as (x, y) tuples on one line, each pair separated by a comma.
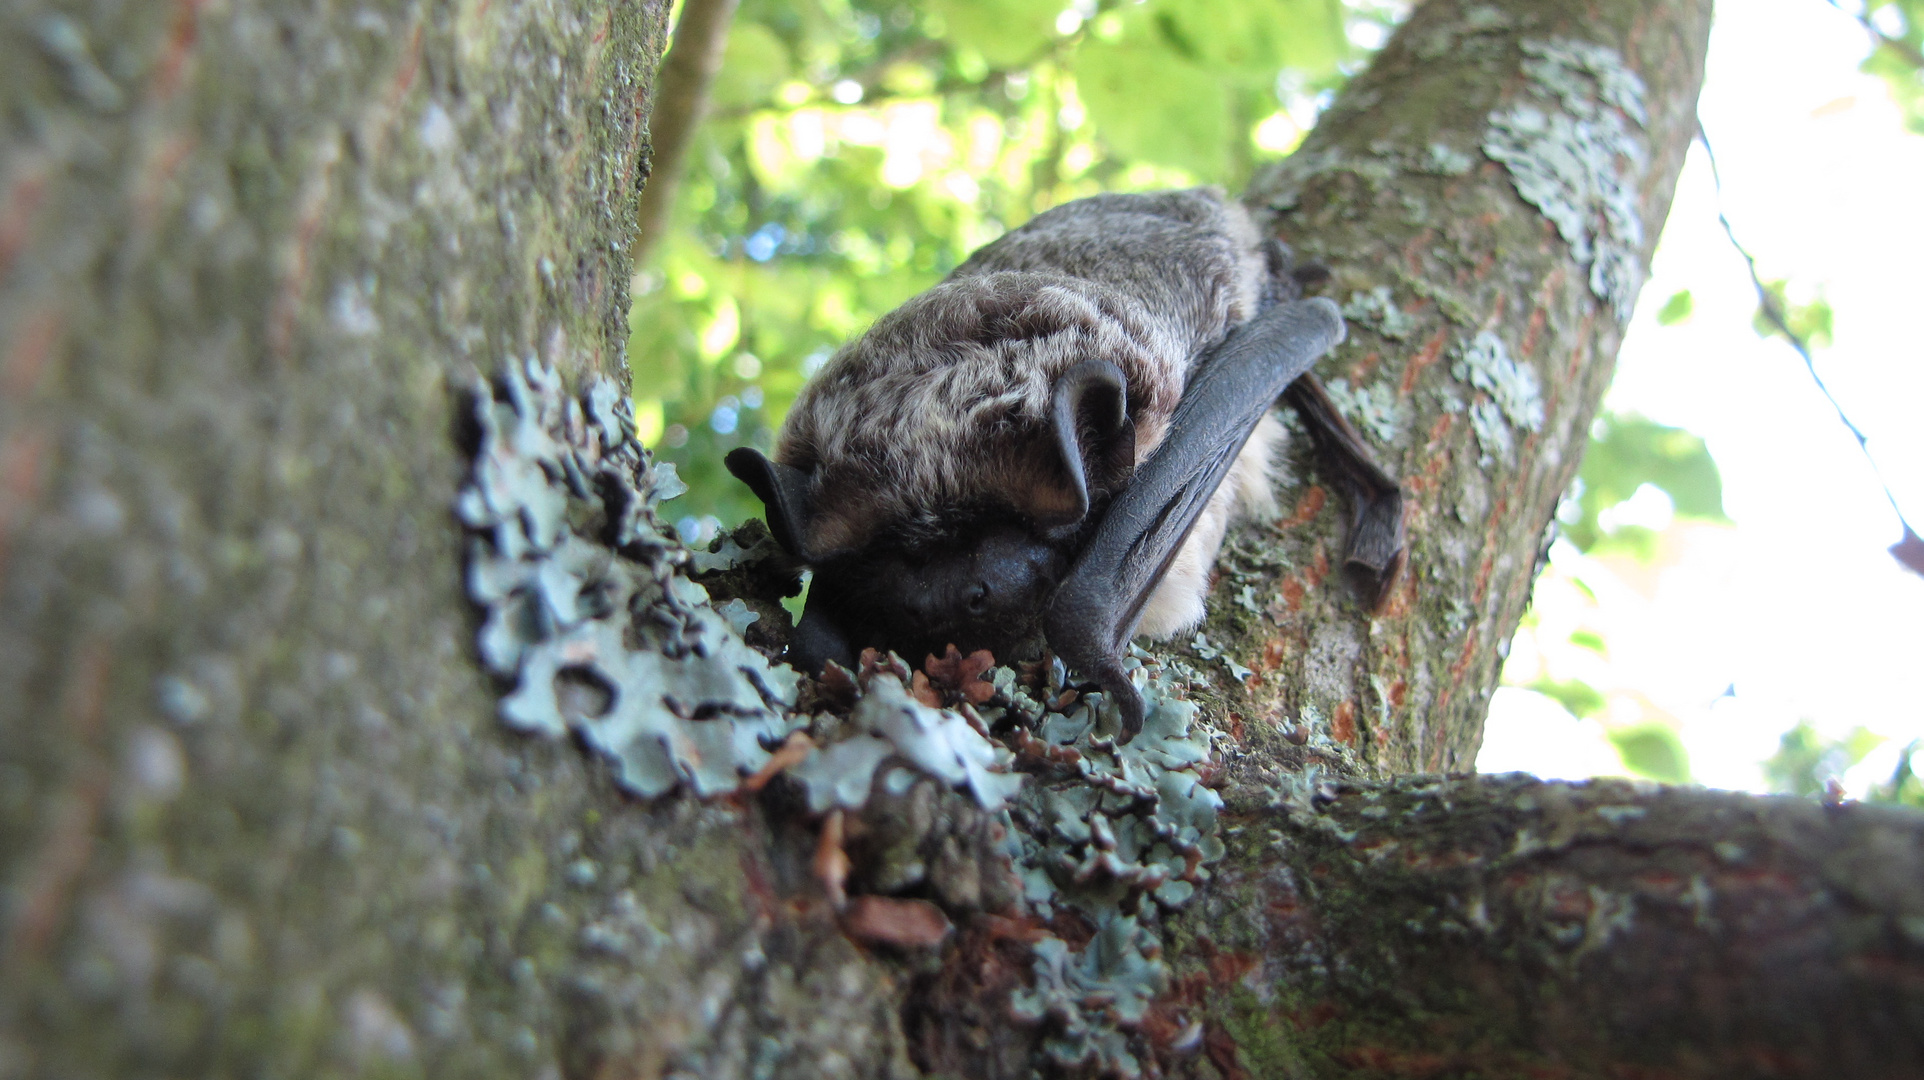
[(1378, 311), (1576, 152), (1107, 826), (590, 613), (1512, 394), (889, 724), (1373, 408)]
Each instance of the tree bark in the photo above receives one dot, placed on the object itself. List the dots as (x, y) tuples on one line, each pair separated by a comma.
[(259, 818), (1499, 926), (257, 814), (1479, 347)]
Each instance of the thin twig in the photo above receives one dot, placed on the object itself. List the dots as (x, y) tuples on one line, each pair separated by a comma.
[(1774, 315)]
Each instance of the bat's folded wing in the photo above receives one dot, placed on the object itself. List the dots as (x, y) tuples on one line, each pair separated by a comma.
[(1095, 611)]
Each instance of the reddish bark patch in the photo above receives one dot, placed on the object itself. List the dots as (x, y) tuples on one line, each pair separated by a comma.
[(170, 70), (1220, 1047), (1275, 651), (1413, 251), (1319, 568), (1307, 507), (28, 354), (888, 920), (1382, 1061), (1533, 332), (1342, 726), (1427, 355), (1293, 592), (957, 1020), (156, 172), (18, 213)]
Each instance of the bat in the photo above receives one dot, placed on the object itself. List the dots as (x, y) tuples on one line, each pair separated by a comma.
[(1050, 444)]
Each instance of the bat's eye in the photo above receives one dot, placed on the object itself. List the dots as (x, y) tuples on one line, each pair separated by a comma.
[(979, 598)]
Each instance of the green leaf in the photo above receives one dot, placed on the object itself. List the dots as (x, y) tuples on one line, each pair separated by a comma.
[(1811, 322), (1896, 62), (1005, 32), (1150, 104), (1626, 452), (1676, 309), (1579, 697), (1806, 762), (755, 63), (1653, 750), (1254, 38)]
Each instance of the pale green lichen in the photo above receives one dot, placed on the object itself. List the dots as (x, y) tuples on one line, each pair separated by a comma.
[(1208, 651), (888, 724), (1377, 310), (1512, 395), (1577, 155), (1373, 408), (1445, 160), (590, 614), (1114, 824)]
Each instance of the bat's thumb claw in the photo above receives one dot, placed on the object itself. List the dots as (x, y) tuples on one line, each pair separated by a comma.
[(1130, 704)]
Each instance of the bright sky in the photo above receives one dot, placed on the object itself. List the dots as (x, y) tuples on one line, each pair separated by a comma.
[(1796, 613)]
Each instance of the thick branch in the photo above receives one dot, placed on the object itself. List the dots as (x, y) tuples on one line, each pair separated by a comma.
[(1486, 197), (1501, 926), (681, 100)]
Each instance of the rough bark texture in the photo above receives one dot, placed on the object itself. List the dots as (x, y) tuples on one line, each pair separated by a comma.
[(1395, 190), (1498, 926), (257, 816)]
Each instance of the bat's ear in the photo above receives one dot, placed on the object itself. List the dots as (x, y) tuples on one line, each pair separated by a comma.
[(1089, 411), (783, 490)]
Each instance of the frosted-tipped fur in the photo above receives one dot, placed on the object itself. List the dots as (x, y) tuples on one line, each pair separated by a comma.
[(942, 408)]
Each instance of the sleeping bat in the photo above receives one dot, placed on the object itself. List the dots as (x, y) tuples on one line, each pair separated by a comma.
[(1050, 444)]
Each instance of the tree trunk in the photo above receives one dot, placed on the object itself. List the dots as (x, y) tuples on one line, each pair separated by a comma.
[(257, 813), (259, 817)]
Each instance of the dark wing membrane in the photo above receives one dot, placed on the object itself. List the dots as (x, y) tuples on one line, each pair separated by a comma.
[(1095, 611)]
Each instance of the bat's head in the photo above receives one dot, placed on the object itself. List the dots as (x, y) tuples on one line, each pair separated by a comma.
[(977, 576), (985, 588)]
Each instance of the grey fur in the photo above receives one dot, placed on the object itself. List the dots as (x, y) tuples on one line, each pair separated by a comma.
[(942, 407)]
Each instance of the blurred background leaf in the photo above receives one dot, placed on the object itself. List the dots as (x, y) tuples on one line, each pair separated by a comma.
[(1898, 26), (1653, 751), (1638, 475), (1806, 763)]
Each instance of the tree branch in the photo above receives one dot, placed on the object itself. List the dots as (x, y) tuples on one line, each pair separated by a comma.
[(682, 99), (1500, 925)]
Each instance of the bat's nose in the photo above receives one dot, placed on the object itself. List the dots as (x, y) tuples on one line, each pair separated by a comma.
[(978, 600)]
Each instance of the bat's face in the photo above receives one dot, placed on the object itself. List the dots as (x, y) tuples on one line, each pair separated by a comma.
[(984, 579), (984, 588)]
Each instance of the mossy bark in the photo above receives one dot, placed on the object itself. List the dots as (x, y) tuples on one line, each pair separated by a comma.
[(1498, 926), (257, 816)]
